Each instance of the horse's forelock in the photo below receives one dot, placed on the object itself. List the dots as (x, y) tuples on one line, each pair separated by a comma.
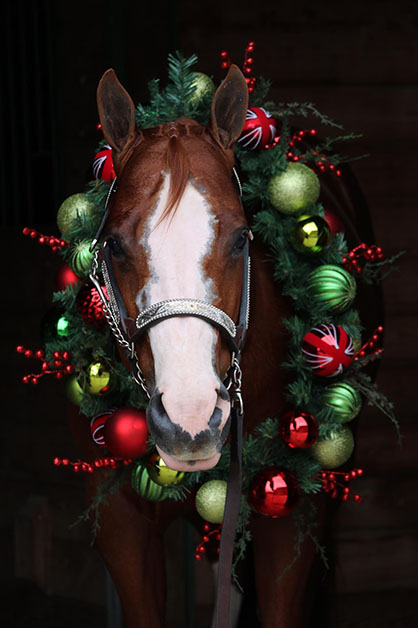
[(179, 167)]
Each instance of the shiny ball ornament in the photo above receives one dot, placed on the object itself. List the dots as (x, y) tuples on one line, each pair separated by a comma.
[(344, 400), (310, 234), (299, 430), (274, 492), (294, 190), (73, 390), (331, 286), (259, 129), (64, 277), (75, 207), (81, 258), (335, 450), (90, 306), (97, 424), (161, 474), (204, 88), (126, 433), (145, 486), (210, 500), (97, 380), (55, 325), (328, 350), (103, 164)]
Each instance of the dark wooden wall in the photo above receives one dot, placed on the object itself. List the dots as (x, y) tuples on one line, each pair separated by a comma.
[(358, 62)]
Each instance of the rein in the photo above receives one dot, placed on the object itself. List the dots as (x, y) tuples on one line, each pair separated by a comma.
[(127, 330)]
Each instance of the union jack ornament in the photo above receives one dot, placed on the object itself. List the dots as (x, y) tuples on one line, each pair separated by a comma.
[(259, 129), (103, 164), (328, 350)]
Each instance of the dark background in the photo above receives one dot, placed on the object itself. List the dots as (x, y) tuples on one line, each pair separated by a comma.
[(358, 62)]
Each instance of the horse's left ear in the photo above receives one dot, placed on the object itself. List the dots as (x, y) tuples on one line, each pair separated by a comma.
[(116, 112), (229, 108)]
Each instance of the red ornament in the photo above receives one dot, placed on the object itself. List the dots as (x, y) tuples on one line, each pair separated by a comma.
[(126, 433), (299, 430), (328, 349), (97, 426), (90, 306), (259, 129), (103, 164), (65, 277), (274, 492)]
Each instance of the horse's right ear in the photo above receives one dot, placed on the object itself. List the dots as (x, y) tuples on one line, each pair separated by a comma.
[(116, 112)]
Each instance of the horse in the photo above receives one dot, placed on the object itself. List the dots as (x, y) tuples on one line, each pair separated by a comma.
[(176, 229)]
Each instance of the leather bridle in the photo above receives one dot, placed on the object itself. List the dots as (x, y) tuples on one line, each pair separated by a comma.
[(127, 330)]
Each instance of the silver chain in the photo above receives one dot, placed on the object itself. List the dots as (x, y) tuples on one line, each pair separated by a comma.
[(236, 382)]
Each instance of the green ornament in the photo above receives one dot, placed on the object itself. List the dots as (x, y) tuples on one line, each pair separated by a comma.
[(63, 327), (81, 258), (161, 474), (54, 325), (210, 500), (73, 390), (97, 380), (334, 450), (294, 190), (343, 399), (310, 234), (145, 486), (204, 88), (332, 286), (77, 206)]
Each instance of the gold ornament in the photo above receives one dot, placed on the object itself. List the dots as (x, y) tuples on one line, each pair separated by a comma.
[(294, 190), (77, 206), (310, 234), (210, 500), (97, 380), (161, 474), (204, 88), (335, 450), (73, 390)]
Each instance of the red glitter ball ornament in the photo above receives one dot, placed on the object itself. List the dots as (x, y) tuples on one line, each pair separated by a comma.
[(259, 129), (328, 350), (299, 430), (90, 306), (97, 426), (126, 433), (64, 277), (274, 492), (103, 164)]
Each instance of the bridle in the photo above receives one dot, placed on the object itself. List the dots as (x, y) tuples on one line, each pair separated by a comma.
[(127, 330)]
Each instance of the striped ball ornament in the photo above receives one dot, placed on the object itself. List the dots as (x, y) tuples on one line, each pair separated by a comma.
[(332, 286), (145, 487), (344, 400), (328, 350), (259, 129)]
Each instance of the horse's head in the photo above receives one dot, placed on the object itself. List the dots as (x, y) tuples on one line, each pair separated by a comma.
[(177, 229)]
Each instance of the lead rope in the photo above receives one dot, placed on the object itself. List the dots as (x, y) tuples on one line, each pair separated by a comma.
[(232, 506)]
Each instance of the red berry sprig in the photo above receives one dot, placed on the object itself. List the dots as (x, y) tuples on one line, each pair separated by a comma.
[(247, 65), (226, 60), (58, 367), (55, 243), (369, 347), (88, 467), (208, 533), (355, 260), (336, 484)]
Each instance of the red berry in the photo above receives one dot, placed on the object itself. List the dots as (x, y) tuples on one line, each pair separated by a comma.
[(198, 557), (206, 527), (20, 349)]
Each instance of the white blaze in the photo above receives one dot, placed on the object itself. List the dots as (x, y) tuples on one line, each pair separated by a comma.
[(182, 347)]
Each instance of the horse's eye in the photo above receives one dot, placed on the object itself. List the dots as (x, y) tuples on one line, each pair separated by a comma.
[(115, 247), (241, 240)]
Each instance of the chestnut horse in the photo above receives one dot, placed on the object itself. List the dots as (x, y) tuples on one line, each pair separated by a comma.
[(177, 229)]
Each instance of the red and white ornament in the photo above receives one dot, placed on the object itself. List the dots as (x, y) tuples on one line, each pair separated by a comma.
[(259, 129), (103, 164), (328, 349), (97, 427)]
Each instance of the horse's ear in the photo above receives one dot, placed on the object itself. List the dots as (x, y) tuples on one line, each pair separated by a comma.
[(116, 112), (229, 108)]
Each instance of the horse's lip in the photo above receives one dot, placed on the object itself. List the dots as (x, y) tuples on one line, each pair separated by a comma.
[(192, 465)]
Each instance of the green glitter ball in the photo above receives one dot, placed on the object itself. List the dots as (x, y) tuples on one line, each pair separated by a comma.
[(81, 258), (145, 486), (294, 190), (77, 206), (335, 450), (332, 286), (210, 500), (343, 399), (204, 87)]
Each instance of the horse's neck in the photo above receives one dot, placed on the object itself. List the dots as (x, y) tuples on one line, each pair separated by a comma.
[(263, 378)]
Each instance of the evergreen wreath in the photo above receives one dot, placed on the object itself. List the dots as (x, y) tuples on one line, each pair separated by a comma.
[(75, 339)]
